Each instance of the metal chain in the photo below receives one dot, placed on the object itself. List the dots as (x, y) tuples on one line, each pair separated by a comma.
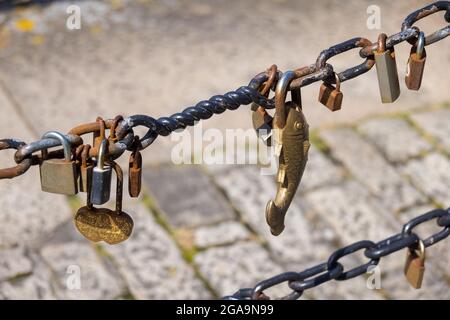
[(299, 282), (319, 71)]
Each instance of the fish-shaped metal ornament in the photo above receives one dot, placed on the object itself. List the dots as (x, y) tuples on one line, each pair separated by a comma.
[(291, 139)]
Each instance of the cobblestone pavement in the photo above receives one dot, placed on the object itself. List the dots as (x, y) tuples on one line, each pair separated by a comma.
[(200, 230)]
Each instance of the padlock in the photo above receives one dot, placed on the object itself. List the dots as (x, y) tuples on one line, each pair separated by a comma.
[(415, 265), (59, 175), (101, 176), (330, 96), (135, 171), (416, 64), (102, 224), (262, 123), (386, 71), (86, 168)]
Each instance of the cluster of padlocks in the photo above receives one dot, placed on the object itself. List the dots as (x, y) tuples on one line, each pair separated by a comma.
[(81, 173)]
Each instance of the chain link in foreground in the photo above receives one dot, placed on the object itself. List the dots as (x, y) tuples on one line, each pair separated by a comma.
[(333, 270)]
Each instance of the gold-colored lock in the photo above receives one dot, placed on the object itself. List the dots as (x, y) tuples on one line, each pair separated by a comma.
[(102, 224), (330, 96), (386, 71), (59, 175), (415, 265), (416, 64)]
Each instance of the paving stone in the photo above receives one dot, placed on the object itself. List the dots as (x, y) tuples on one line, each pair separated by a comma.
[(26, 213), (187, 196), (249, 192), (396, 139), (432, 175), (14, 262), (37, 286), (152, 265), (435, 123), (68, 260), (241, 265), (370, 168), (319, 171), (353, 213), (223, 233)]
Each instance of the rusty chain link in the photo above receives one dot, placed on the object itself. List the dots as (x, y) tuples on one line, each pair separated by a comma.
[(299, 282)]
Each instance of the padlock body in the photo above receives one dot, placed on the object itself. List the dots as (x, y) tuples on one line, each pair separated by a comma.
[(262, 123), (103, 224), (85, 177), (414, 269), (414, 70), (330, 97), (134, 182), (59, 176), (101, 185), (387, 75)]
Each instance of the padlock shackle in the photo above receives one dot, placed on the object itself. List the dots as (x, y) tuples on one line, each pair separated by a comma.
[(381, 42), (420, 45), (85, 155), (102, 149), (64, 142)]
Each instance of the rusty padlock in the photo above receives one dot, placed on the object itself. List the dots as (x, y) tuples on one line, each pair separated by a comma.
[(415, 265), (416, 64), (330, 96), (86, 168), (386, 71), (135, 171), (59, 175)]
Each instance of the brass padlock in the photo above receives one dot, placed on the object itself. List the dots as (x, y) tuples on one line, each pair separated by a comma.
[(386, 71), (330, 96), (135, 172), (59, 175), (101, 176), (416, 64), (101, 224), (262, 123), (415, 265), (86, 168)]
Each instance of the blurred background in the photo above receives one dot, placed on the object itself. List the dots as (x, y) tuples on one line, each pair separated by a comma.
[(200, 230)]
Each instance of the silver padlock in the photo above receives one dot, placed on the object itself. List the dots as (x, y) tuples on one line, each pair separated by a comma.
[(58, 175), (101, 177), (386, 71)]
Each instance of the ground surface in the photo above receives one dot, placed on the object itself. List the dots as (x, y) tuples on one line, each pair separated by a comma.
[(200, 230)]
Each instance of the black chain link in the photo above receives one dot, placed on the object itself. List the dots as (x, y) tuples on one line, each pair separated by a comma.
[(333, 270)]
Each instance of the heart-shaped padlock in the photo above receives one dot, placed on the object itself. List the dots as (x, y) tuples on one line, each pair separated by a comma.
[(101, 224)]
